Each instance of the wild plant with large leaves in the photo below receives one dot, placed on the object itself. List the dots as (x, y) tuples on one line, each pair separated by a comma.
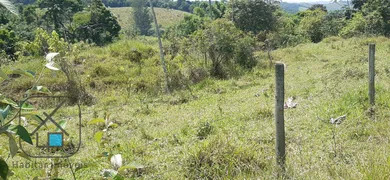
[(9, 111)]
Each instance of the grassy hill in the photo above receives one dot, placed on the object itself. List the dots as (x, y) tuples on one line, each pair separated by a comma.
[(296, 7), (225, 129), (165, 17)]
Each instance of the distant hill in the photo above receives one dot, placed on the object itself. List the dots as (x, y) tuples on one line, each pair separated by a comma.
[(296, 7), (165, 17)]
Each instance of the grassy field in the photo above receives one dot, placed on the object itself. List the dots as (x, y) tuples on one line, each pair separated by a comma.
[(225, 129), (165, 17)]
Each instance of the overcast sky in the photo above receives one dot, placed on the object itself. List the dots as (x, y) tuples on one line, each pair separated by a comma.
[(294, 1), (303, 0)]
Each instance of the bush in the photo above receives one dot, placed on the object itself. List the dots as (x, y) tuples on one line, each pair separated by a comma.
[(371, 24), (253, 16), (98, 25), (7, 43), (197, 74), (286, 32), (311, 23), (224, 45), (334, 22), (355, 27), (45, 43)]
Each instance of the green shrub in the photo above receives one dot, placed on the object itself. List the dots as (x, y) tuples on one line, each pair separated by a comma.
[(371, 24), (98, 25), (286, 33), (224, 46), (311, 23), (8, 43)]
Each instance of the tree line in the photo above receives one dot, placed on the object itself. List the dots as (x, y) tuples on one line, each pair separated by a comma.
[(72, 20), (223, 33)]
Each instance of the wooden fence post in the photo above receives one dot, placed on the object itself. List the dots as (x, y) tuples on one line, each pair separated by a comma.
[(279, 117), (371, 62)]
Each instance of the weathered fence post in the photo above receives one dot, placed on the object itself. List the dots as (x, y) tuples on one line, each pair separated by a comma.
[(279, 117), (371, 62)]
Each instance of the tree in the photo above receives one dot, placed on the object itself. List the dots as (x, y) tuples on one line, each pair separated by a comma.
[(318, 6), (60, 13), (225, 45), (7, 43), (29, 14), (142, 18), (358, 4), (253, 15), (185, 27), (383, 8), (355, 27), (311, 23), (98, 25), (333, 23)]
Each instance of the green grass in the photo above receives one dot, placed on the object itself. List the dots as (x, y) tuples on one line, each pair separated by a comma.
[(227, 130), (165, 17)]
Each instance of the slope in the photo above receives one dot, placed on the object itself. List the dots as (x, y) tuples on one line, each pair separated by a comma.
[(165, 17), (226, 130)]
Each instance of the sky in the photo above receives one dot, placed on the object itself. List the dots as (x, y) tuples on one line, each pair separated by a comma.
[(296, 1), (293, 1)]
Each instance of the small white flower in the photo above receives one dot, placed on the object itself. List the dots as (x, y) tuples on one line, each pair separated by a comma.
[(50, 62), (50, 56), (116, 161), (50, 65)]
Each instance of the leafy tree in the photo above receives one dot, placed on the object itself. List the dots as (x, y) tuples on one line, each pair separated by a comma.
[(98, 25), (29, 14), (199, 12), (3, 16), (333, 23), (142, 18), (318, 6), (24, 2), (225, 45), (8, 41), (116, 3), (252, 15), (186, 27), (358, 4), (382, 7), (355, 27), (213, 11), (286, 32), (45, 43), (311, 23), (60, 13)]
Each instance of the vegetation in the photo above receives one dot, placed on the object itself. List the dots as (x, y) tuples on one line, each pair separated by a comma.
[(97, 25), (217, 120), (142, 17)]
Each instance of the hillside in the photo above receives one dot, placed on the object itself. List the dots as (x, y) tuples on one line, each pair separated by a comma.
[(296, 7), (165, 17), (226, 127)]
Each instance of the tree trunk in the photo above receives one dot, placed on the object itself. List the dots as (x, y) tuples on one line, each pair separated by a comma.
[(161, 49), (210, 10)]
